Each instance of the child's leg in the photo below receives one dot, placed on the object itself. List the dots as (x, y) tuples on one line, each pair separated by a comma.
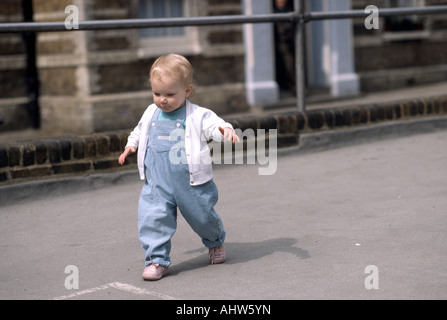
[(157, 222), (196, 203)]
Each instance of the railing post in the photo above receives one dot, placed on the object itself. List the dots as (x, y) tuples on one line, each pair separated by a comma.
[(32, 77), (300, 56)]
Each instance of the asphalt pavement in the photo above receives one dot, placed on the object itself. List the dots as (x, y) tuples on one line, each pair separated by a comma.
[(363, 221)]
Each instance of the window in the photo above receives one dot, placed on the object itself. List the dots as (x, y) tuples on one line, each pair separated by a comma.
[(161, 9), (157, 41), (405, 27)]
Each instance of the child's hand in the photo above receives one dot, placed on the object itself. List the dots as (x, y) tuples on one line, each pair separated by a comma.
[(229, 134), (124, 155)]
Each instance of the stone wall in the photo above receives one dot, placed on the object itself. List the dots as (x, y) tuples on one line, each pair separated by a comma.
[(13, 87), (387, 59), (98, 80), (96, 153)]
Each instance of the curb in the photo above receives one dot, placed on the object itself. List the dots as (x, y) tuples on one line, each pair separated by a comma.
[(62, 157), (310, 142)]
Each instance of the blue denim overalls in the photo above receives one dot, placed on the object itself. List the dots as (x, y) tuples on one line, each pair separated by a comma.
[(167, 188)]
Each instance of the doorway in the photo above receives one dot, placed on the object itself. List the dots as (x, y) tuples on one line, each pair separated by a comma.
[(284, 43)]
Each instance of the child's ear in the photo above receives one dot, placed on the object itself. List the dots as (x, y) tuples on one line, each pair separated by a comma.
[(188, 90)]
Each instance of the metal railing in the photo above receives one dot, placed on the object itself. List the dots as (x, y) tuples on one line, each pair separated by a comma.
[(296, 16), (299, 17)]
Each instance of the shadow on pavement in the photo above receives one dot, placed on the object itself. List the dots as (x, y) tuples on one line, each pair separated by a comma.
[(242, 252)]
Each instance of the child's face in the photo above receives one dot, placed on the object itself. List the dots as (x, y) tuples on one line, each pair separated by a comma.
[(169, 93)]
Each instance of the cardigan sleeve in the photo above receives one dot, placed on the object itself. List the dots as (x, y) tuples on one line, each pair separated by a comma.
[(134, 137), (210, 125)]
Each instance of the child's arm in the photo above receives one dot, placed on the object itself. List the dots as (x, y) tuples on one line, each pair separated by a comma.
[(134, 137), (132, 143), (124, 155), (216, 128), (229, 134)]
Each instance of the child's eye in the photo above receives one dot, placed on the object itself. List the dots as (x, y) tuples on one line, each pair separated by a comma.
[(171, 94), (156, 94)]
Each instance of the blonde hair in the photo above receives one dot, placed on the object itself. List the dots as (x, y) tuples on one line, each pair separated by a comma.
[(173, 65)]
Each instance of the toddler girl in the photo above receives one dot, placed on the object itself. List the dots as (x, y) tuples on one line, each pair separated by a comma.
[(175, 167)]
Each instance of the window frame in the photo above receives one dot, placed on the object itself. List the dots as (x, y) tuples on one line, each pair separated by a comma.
[(185, 44), (403, 35)]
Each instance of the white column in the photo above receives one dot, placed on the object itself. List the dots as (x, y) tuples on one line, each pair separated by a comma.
[(343, 79), (261, 86), (332, 57)]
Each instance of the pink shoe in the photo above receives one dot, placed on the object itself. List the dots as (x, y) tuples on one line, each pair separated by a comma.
[(154, 272), (217, 255)]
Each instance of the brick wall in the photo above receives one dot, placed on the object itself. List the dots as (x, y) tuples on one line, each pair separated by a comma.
[(387, 60), (95, 153), (13, 87), (68, 155), (98, 80)]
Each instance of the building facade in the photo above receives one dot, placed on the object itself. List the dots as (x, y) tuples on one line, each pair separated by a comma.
[(93, 81)]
